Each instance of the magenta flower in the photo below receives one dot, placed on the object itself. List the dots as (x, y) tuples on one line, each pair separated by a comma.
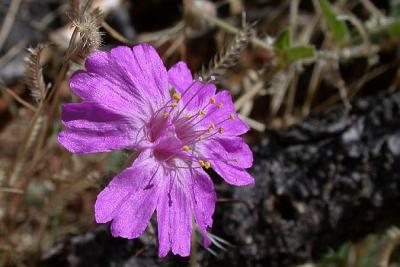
[(178, 126)]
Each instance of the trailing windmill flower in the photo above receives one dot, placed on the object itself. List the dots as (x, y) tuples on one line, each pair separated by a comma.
[(178, 126)]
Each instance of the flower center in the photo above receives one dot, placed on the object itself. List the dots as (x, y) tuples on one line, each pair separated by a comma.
[(175, 129)]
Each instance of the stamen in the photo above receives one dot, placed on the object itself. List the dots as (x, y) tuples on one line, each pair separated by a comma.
[(219, 105), (174, 104), (207, 164), (201, 163), (204, 114), (190, 100), (185, 148), (152, 177), (220, 130), (177, 96), (232, 117), (165, 114), (212, 100), (188, 116)]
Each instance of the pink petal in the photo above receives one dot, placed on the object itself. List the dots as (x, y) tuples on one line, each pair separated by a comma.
[(221, 116), (180, 76), (110, 93), (82, 141), (203, 201), (144, 69), (231, 149), (229, 157), (198, 96), (231, 174), (126, 79), (94, 117), (91, 128), (130, 199), (174, 218), (195, 94)]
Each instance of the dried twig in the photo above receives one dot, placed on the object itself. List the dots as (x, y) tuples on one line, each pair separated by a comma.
[(278, 88), (258, 126), (115, 34), (229, 28), (11, 190), (392, 240), (9, 21), (12, 52), (241, 101), (19, 99), (312, 87)]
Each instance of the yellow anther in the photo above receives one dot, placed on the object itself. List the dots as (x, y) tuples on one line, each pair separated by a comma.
[(165, 114), (199, 138), (212, 100), (174, 104), (220, 130), (188, 116), (177, 96), (231, 117), (185, 148), (207, 164), (212, 127), (201, 163), (202, 112), (219, 105)]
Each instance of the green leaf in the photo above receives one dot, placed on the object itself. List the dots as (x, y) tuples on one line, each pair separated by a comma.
[(299, 52), (394, 8), (283, 40), (394, 29), (115, 160), (338, 28)]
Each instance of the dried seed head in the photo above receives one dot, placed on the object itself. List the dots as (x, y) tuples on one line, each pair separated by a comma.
[(88, 25), (230, 56), (34, 76)]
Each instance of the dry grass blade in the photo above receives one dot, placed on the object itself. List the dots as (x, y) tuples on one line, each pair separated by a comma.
[(9, 21), (18, 98), (34, 75), (278, 88), (74, 10), (11, 190), (228, 58)]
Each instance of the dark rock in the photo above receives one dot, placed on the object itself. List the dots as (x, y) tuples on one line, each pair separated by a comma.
[(332, 179)]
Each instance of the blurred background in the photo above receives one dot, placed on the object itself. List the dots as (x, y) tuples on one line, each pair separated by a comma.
[(316, 80)]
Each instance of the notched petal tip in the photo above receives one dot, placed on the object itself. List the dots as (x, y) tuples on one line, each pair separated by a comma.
[(180, 76), (101, 211), (182, 251), (248, 182), (77, 78), (124, 232), (65, 141), (96, 60)]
